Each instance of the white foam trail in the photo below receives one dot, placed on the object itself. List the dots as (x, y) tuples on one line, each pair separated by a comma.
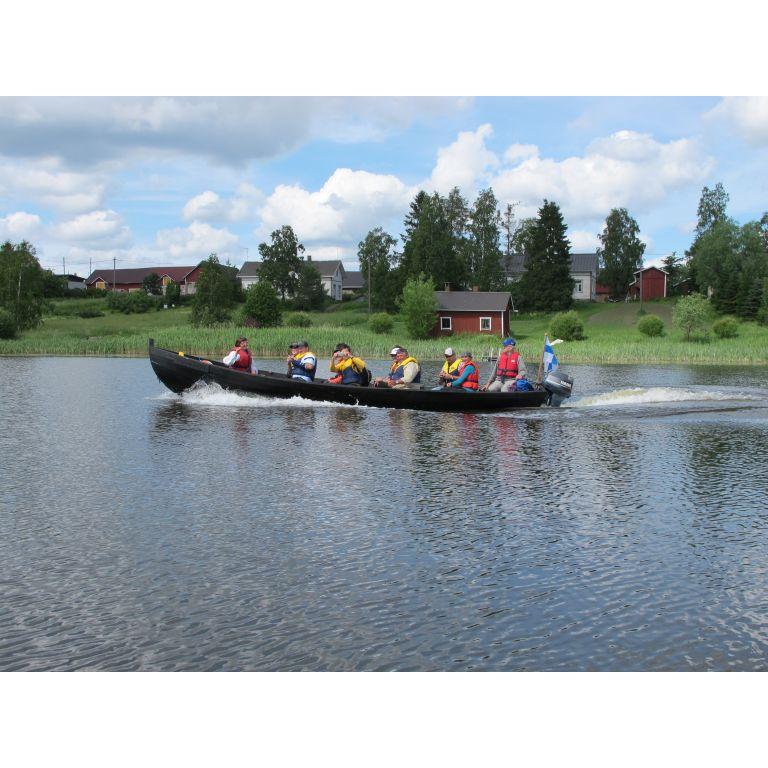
[(641, 396), (215, 396)]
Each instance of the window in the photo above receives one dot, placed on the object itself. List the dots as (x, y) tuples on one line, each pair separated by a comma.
[(578, 286), (445, 324), (485, 323)]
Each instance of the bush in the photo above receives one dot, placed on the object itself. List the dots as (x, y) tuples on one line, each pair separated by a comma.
[(567, 326), (297, 320), (137, 302), (90, 312), (117, 300), (726, 328), (691, 315), (7, 326), (381, 322), (418, 306), (262, 307), (651, 325)]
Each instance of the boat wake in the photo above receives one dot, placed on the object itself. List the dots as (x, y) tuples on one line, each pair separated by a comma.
[(650, 395), (212, 395)]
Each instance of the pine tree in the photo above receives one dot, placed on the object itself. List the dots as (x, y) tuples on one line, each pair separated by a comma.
[(310, 293), (546, 284), (621, 253)]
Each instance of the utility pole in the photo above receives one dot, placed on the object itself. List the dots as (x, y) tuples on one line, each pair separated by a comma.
[(63, 266), (114, 272)]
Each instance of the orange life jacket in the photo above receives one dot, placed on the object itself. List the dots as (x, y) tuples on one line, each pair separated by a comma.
[(243, 362), (507, 366), (473, 380)]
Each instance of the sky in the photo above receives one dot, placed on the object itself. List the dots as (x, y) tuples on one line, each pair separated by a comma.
[(169, 180)]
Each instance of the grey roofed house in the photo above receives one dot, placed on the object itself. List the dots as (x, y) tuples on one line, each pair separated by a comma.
[(331, 275), (472, 301), (581, 263), (250, 269), (353, 281)]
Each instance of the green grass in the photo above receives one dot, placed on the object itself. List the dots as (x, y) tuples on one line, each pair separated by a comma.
[(612, 337)]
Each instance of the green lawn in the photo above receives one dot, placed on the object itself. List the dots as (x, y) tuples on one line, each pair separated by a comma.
[(612, 336)]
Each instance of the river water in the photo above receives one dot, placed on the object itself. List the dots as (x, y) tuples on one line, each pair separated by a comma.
[(140, 530)]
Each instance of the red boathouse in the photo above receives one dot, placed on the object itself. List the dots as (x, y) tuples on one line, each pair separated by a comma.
[(649, 283), (472, 312)]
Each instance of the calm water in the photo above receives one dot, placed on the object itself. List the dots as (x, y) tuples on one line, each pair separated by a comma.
[(144, 531)]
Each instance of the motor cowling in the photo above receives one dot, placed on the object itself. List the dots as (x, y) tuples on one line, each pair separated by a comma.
[(559, 386)]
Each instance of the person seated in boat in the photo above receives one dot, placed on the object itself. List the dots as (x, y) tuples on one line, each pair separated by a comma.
[(302, 364), (452, 362), (349, 369), (404, 372), (240, 357), (467, 376), (510, 367)]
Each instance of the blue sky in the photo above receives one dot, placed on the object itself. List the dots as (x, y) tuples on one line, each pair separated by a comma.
[(160, 180)]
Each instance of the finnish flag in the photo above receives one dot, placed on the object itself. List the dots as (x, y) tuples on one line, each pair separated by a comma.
[(550, 361)]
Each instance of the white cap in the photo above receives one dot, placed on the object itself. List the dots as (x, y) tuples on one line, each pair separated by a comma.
[(395, 350), (449, 350)]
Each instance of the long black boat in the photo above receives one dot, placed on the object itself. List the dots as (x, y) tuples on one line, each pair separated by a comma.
[(180, 371)]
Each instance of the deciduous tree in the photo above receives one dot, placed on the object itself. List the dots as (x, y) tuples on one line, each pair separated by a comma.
[(21, 284), (621, 252), (419, 306), (281, 261), (377, 256), (483, 252), (213, 294)]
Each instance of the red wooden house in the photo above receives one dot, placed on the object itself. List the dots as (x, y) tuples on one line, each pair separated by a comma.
[(472, 312), (649, 283), (132, 279)]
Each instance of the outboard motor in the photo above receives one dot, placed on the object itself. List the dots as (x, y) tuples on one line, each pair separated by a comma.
[(559, 387)]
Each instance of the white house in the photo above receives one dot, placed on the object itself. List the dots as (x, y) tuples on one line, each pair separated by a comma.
[(331, 275), (584, 269)]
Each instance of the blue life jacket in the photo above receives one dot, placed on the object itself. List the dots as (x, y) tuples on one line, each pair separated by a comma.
[(297, 369), (350, 376), (523, 385)]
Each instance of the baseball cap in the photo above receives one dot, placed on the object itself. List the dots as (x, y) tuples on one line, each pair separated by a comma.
[(448, 351), (394, 350), (510, 342)]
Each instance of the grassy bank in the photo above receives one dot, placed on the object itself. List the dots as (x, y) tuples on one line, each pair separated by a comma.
[(612, 337)]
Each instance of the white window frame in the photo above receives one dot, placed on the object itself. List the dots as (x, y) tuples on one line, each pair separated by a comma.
[(449, 327), (578, 285), (490, 324)]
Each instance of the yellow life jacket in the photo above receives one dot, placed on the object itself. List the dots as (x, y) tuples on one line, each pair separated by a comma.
[(451, 367)]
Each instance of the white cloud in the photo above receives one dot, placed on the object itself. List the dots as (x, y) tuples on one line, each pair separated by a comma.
[(518, 152), (19, 226), (47, 183), (626, 169), (209, 206), (583, 242), (464, 163), (747, 115), (344, 208), (97, 230), (198, 241)]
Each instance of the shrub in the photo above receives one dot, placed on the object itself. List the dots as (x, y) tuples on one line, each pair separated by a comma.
[(419, 307), (726, 328), (651, 325), (7, 326), (137, 302), (262, 305), (90, 312), (691, 315), (381, 322), (567, 326), (297, 320), (117, 299)]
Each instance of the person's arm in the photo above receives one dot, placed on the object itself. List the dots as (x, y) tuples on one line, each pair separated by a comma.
[(333, 367), (522, 371), (493, 377), (231, 358), (464, 376), (358, 364)]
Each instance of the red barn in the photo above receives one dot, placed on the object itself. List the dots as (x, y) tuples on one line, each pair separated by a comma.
[(649, 283), (132, 279), (472, 312)]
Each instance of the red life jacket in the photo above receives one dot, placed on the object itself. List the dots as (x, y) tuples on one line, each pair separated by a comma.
[(243, 362), (473, 380), (507, 366)]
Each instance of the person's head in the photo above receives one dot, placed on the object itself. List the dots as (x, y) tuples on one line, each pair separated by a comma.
[(241, 341), (509, 344), (398, 353), (466, 356), (342, 350), (298, 346), (450, 355)]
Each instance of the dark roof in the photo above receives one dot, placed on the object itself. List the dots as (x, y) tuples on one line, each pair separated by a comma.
[(72, 278), (327, 268), (353, 280), (580, 262), (249, 269), (472, 301), (137, 274)]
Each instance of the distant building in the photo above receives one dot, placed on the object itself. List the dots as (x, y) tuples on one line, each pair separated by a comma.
[(133, 279), (74, 282), (649, 283), (584, 269), (473, 312), (331, 275), (352, 283)]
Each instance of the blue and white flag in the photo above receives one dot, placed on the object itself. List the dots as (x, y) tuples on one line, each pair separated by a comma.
[(550, 361)]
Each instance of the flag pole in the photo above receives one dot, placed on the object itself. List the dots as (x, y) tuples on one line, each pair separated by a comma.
[(541, 361)]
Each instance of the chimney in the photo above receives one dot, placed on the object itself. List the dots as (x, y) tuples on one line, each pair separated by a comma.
[(476, 288), (447, 286), (309, 257)]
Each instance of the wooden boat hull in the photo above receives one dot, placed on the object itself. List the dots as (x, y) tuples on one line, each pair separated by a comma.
[(180, 372)]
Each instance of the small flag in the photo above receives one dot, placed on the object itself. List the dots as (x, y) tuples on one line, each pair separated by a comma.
[(550, 361)]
